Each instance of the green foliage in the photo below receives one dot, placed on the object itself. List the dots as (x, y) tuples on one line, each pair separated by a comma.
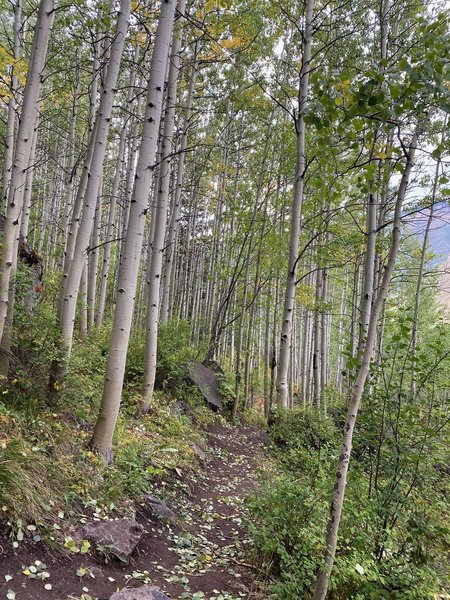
[(84, 382), (45, 464), (31, 481), (393, 529), (175, 355)]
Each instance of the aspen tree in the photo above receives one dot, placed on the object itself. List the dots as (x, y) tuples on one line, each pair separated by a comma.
[(98, 141), (417, 297), (322, 583), (77, 209), (159, 223), (70, 169), (289, 297), (174, 217), (21, 158), (110, 227), (128, 270), (109, 237), (12, 108)]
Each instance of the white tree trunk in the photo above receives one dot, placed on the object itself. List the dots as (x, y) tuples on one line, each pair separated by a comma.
[(160, 218), (70, 169), (70, 287), (289, 299), (79, 198), (12, 107), (109, 238), (93, 260), (170, 250), (417, 297), (22, 153), (28, 189), (128, 270), (322, 582)]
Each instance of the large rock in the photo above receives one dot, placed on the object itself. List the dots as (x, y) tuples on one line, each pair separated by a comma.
[(159, 509), (145, 592), (208, 383), (120, 537)]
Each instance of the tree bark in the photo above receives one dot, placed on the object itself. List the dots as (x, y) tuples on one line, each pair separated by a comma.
[(128, 270), (160, 218), (289, 299), (170, 246), (12, 108), (22, 151), (321, 587), (415, 323), (71, 279)]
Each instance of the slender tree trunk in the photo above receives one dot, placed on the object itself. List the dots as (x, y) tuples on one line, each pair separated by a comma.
[(322, 582), (415, 323), (110, 228), (273, 359), (338, 379), (93, 259), (83, 324), (324, 352), (128, 270), (369, 271), (170, 250), (267, 352), (28, 190), (21, 160), (71, 279), (317, 339), (12, 108), (240, 339), (289, 299), (109, 238), (160, 219), (74, 224)]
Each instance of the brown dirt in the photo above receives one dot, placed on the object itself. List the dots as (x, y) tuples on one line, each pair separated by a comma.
[(205, 552)]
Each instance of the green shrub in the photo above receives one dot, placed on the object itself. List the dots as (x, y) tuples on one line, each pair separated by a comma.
[(392, 534), (31, 480), (174, 358), (286, 524)]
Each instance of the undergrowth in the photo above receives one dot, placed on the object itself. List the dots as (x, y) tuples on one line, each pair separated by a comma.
[(394, 531), (46, 469)]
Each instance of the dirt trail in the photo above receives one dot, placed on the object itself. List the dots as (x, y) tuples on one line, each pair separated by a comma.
[(201, 556)]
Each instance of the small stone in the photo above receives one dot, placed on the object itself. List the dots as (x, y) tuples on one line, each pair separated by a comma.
[(201, 454), (160, 509), (145, 592)]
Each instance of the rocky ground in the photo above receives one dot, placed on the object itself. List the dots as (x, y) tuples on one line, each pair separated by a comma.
[(191, 545)]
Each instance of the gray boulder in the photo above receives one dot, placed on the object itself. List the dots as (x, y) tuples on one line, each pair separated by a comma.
[(118, 537), (145, 592), (181, 408), (208, 383), (201, 454)]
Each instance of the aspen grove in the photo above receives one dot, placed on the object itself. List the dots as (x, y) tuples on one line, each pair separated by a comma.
[(239, 205)]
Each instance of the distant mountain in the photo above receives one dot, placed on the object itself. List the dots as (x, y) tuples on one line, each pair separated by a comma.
[(439, 231), (439, 243)]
